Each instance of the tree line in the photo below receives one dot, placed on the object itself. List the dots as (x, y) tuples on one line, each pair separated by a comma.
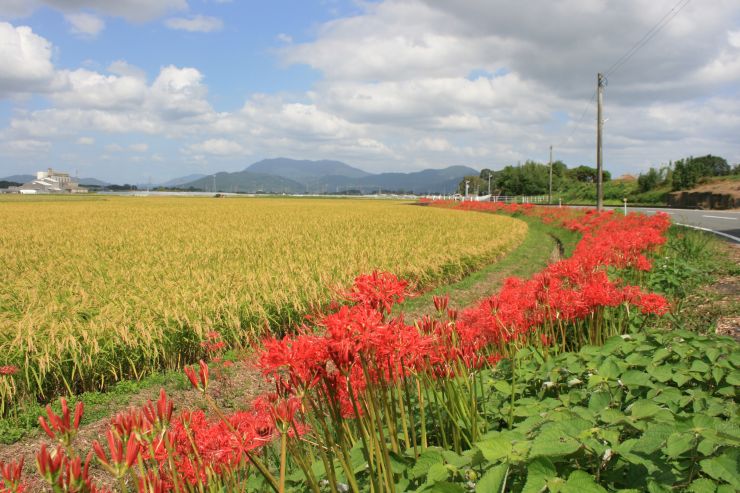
[(532, 178)]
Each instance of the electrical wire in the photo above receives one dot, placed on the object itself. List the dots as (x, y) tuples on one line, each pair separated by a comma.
[(619, 63), (650, 34), (579, 121)]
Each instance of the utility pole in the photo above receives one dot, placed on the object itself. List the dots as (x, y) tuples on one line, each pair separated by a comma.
[(467, 187), (599, 124), (549, 195), (489, 182)]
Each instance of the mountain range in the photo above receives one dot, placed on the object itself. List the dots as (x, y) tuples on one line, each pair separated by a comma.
[(283, 175)]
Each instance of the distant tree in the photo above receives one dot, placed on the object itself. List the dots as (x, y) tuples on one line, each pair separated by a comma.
[(687, 172), (475, 185), (587, 174), (649, 180)]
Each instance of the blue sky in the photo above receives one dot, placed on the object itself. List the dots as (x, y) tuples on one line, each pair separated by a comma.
[(124, 90)]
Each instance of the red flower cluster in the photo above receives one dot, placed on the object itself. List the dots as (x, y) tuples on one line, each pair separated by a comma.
[(8, 370)]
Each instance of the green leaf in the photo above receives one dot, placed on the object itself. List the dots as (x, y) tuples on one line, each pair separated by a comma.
[(644, 409), (699, 366), (425, 461), (661, 373), (436, 473), (503, 386), (496, 448), (733, 378), (636, 378), (456, 460), (447, 487), (653, 439), (678, 444), (539, 472), (609, 369), (724, 467), (552, 443), (680, 378), (493, 480), (581, 482), (599, 400), (703, 485), (660, 355)]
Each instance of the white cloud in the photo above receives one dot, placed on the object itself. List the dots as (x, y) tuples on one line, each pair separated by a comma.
[(113, 148), (25, 146), (133, 10), (86, 141), (139, 147), (25, 59), (197, 23), (86, 89), (85, 25), (733, 37), (216, 147), (284, 38)]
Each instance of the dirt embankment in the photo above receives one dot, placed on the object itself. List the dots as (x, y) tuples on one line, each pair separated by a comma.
[(716, 194)]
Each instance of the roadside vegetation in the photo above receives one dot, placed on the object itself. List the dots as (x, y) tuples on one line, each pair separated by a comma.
[(575, 185)]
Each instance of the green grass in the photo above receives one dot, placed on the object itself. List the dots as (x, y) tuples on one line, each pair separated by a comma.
[(98, 405), (531, 256)]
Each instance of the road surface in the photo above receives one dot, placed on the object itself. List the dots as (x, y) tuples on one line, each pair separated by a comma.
[(724, 223)]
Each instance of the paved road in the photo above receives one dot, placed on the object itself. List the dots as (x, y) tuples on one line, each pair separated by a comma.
[(725, 223)]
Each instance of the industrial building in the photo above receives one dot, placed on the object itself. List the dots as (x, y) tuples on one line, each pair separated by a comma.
[(49, 181)]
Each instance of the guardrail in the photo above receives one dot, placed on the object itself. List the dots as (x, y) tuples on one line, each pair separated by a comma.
[(507, 199)]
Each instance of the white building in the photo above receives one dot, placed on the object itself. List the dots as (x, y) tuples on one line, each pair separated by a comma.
[(50, 182)]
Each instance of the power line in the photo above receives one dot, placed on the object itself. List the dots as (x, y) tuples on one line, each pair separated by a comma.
[(578, 122), (650, 34)]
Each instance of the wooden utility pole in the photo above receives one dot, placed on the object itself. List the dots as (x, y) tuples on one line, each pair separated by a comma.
[(599, 125), (549, 194)]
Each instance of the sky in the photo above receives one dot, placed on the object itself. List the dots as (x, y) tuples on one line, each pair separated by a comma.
[(139, 90)]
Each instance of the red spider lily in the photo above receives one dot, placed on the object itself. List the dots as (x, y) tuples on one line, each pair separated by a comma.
[(50, 463), (441, 302), (8, 370), (214, 344), (161, 414), (129, 423), (60, 427), (118, 463), (378, 290), (151, 483), (199, 382), (11, 477)]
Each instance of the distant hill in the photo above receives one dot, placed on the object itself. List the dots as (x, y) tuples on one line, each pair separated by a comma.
[(302, 176), (246, 181), (304, 171), (93, 182), (426, 181), (176, 182), (19, 178)]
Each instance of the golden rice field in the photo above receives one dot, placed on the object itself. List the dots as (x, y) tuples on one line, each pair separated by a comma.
[(94, 291)]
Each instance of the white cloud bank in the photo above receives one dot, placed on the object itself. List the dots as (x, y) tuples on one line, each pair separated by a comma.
[(197, 23)]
